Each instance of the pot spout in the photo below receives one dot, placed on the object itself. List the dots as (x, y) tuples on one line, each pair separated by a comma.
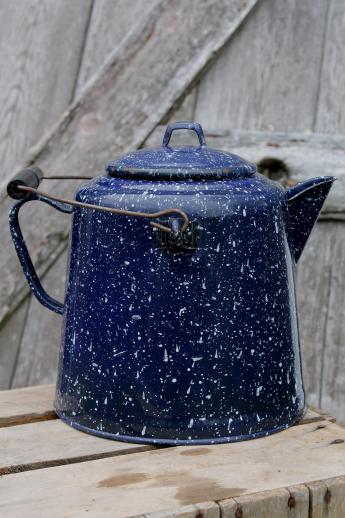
[(305, 201)]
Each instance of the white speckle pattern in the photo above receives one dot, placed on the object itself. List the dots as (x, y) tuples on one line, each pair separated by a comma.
[(168, 344), (171, 337)]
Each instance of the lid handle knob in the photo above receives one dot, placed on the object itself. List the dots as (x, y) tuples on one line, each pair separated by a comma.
[(195, 126)]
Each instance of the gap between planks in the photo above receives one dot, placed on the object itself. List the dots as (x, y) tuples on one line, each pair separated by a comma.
[(27, 447), (318, 499), (233, 474), (26, 405), (27, 420), (32, 404), (308, 499)]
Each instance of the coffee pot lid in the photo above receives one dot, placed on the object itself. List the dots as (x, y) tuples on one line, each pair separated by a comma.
[(183, 162)]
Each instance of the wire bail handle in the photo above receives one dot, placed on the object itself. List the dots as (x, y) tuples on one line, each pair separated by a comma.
[(26, 182)]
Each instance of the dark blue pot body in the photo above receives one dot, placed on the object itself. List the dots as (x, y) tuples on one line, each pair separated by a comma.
[(168, 345)]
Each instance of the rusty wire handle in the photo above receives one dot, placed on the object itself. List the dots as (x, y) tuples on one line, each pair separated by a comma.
[(110, 210), (27, 181)]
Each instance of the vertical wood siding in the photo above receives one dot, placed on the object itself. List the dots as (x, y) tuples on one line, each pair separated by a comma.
[(267, 77), (35, 333), (330, 113), (40, 45), (282, 71)]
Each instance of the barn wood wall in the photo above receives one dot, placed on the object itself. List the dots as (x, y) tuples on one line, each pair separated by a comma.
[(282, 71), (65, 43)]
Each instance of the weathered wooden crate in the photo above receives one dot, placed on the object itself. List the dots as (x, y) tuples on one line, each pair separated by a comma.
[(50, 469)]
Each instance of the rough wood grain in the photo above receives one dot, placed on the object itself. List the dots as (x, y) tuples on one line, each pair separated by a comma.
[(26, 405), (11, 334), (330, 115), (317, 492), (36, 86), (182, 111), (141, 88), (38, 355), (229, 507), (45, 394), (204, 510), (110, 23), (327, 498), (25, 447), (335, 497), (164, 479), (332, 393), (40, 45), (298, 502), (313, 415), (37, 362), (304, 155), (279, 503), (267, 77), (321, 413), (53, 443), (313, 292)]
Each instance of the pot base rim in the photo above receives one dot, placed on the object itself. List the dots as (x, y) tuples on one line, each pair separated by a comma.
[(178, 442)]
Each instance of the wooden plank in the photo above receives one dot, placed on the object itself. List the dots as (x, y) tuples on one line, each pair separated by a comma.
[(305, 156), (110, 23), (26, 405), (140, 88), (204, 510), (164, 479), (335, 497), (37, 361), (182, 111), (37, 353), (10, 337), (36, 85), (327, 498), (66, 445), (332, 394), (313, 292), (39, 399), (314, 415), (279, 503), (267, 78), (313, 412), (330, 116), (229, 508), (317, 491), (298, 502), (52, 443)]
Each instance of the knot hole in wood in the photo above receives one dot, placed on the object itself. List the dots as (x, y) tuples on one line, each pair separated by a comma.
[(274, 169)]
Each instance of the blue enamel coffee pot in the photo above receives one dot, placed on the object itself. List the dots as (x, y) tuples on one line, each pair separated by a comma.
[(183, 331)]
